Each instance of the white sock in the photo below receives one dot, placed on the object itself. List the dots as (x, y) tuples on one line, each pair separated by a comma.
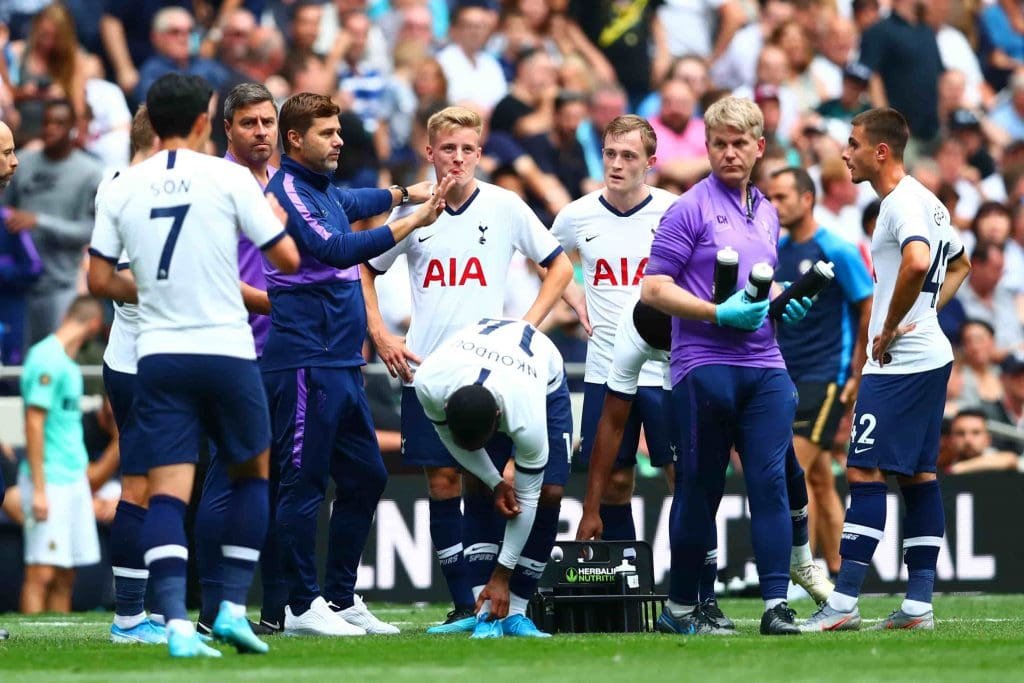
[(234, 610), (774, 602), (800, 554), (516, 605), (915, 608), (182, 627), (677, 610), (129, 622), (843, 603), (157, 618)]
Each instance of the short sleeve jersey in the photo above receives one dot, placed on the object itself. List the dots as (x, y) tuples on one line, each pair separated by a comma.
[(519, 365), (911, 212), (614, 247), (52, 382), (458, 266), (177, 215)]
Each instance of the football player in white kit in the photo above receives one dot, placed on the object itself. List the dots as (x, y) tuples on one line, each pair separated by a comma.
[(919, 263), (458, 269), (177, 217), (119, 368), (502, 376), (612, 229)]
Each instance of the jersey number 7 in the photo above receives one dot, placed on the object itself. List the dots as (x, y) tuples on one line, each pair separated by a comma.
[(178, 214)]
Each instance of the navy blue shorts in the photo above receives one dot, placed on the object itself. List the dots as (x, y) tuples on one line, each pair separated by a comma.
[(422, 446), (182, 398), (556, 472), (649, 409), (897, 421), (120, 388)]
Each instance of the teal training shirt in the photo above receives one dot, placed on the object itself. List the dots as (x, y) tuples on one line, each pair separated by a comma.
[(53, 382)]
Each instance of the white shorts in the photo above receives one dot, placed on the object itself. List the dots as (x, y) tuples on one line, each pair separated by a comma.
[(68, 537)]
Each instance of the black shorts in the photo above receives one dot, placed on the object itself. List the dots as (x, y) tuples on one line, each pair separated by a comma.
[(818, 412)]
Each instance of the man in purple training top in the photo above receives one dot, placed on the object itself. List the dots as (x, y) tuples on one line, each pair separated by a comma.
[(250, 121), (729, 382)]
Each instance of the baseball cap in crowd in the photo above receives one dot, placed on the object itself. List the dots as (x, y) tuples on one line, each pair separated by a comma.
[(963, 119), (857, 72), (765, 92), (1013, 363)]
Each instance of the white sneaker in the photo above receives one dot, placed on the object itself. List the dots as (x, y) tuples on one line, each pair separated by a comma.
[(360, 616), (318, 620), (812, 579)]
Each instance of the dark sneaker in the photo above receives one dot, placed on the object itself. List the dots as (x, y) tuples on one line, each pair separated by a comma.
[(715, 613), (697, 623), (779, 621), (459, 620), (265, 627)]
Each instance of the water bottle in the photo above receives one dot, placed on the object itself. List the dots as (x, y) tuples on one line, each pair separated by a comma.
[(810, 285), (627, 583), (727, 265), (760, 282)]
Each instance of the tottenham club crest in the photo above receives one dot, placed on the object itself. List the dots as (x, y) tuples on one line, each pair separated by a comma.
[(939, 215), (483, 233)]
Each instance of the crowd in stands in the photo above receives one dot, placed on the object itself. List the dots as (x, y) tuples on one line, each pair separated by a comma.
[(549, 75)]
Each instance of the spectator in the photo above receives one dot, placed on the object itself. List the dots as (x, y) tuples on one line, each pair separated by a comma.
[(528, 108), (430, 83), (903, 53), (682, 156), (952, 96), (53, 197), (773, 69), (415, 27), (304, 27), (20, 265), (837, 209), (972, 446), (866, 13), (692, 70), (985, 298), (975, 377), (233, 44), (559, 152), (852, 98), (1009, 410), (60, 526), (607, 102), (704, 28), (951, 158), (1009, 115), (966, 127), (363, 84), (49, 65), (835, 50), (473, 74), (109, 117), (1000, 44), (125, 29), (171, 36), (737, 66), (993, 223), (795, 41), (955, 50), (634, 41)]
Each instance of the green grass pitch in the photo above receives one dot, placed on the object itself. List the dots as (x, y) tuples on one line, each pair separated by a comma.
[(978, 638)]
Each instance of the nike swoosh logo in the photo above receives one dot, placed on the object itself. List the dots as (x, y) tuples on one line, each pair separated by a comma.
[(272, 624), (836, 626), (861, 450), (592, 237), (424, 239)]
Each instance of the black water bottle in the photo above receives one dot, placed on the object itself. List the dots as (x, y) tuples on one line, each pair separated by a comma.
[(810, 285), (727, 265), (760, 282)]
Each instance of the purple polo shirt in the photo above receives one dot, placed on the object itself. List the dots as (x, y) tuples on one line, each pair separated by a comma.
[(250, 271), (706, 218)]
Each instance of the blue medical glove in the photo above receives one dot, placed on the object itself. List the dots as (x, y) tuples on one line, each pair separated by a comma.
[(796, 310), (739, 312)]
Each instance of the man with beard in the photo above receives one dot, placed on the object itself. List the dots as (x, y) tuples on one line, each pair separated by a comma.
[(682, 157)]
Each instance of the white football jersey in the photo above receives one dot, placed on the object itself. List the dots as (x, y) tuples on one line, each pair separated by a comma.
[(911, 212), (519, 365), (120, 352), (630, 353), (614, 248), (458, 266), (177, 216)]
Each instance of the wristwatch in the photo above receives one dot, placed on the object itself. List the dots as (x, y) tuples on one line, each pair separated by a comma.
[(403, 190)]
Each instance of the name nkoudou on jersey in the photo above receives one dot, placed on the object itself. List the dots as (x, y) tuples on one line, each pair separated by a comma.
[(614, 247), (459, 265), (510, 357), (176, 216), (911, 212)]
